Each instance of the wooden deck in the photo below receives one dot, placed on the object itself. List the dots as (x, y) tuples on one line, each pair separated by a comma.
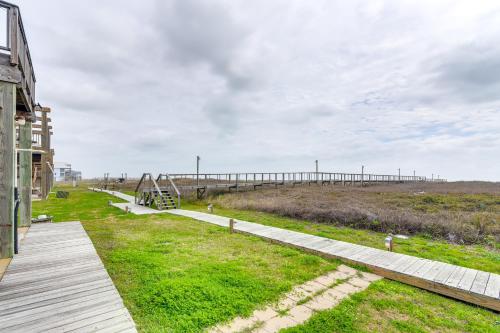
[(57, 283), (466, 284)]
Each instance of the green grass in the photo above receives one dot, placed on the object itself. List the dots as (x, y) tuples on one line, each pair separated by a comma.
[(81, 205), (473, 256), (388, 306)]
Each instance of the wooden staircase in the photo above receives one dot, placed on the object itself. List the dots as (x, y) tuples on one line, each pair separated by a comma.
[(149, 193)]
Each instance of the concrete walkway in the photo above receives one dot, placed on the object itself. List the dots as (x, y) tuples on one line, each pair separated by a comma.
[(57, 283), (296, 307), (466, 284), (129, 206)]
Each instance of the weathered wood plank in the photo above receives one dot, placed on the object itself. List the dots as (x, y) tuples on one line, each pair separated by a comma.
[(78, 304), (52, 283), (55, 286), (480, 282), (445, 273), (456, 277), (467, 279), (493, 287)]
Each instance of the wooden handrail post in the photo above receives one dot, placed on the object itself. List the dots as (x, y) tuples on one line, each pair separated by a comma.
[(231, 226)]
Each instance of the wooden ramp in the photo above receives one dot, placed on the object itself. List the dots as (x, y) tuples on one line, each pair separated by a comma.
[(466, 284), (57, 283)]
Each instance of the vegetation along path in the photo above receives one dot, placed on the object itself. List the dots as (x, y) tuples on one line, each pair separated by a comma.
[(470, 285)]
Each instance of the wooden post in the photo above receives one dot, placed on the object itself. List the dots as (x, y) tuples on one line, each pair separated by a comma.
[(44, 186), (24, 185), (7, 167), (231, 226), (197, 170)]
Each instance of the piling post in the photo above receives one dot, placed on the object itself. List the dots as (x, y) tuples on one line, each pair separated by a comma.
[(25, 181), (44, 185), (7, 167)]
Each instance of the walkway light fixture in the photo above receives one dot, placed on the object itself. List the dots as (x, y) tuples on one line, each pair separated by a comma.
[(388, 243)]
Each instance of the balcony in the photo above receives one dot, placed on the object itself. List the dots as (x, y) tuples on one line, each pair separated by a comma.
[(15, 60)]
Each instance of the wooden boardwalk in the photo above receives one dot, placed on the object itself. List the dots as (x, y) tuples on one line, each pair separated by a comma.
[(466, 284), (57, 283)]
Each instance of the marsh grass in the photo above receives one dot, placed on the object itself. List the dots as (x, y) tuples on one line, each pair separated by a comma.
[(461, 218)]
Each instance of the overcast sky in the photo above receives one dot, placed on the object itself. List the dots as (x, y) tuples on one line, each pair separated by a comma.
[(270, 85)]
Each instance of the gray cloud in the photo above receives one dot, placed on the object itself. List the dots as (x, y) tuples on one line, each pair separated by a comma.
[(472, 72), (202, 33), (138, 86)]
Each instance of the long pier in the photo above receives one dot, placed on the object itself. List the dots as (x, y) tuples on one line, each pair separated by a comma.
[(202, 182)]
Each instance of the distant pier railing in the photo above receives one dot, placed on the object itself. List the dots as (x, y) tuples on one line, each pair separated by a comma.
[(253, 180)]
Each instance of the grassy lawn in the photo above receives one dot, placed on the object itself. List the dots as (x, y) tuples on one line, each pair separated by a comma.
[(473, 256), (180, 275)]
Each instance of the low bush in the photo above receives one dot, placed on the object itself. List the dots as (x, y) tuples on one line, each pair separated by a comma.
[(458, 218)]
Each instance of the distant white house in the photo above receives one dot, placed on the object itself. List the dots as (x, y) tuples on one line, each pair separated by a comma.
[(64, 172)]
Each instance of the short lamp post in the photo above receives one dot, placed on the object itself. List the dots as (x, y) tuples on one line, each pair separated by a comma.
[(388, 243)]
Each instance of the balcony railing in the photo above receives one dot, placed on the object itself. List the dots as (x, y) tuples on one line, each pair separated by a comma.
[(14, 47)]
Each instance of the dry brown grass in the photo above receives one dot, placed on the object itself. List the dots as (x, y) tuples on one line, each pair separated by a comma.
[(458, 212)]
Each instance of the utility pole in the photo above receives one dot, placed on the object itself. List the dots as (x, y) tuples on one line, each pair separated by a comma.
[(362, 174), (317, 171), (197, 170)]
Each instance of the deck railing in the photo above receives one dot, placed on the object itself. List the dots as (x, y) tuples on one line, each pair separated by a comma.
[(15, 44)]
